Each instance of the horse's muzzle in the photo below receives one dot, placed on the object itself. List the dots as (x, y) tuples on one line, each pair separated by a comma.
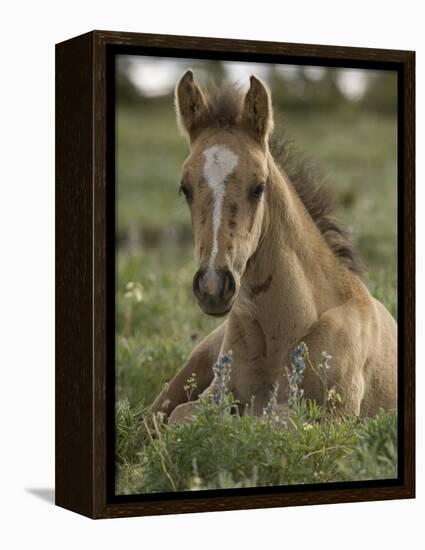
[(215, 290)]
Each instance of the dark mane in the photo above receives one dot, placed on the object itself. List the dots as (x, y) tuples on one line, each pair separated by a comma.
[(314, 194), (225, 104)]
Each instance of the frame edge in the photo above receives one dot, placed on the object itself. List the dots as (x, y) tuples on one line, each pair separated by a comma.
[(74, 276)]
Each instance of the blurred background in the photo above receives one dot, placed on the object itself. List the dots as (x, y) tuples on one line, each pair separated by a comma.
[(345, 120)]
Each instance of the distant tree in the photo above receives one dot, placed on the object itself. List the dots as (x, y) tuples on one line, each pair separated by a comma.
[(126, 91), (300, 91), (381, 95)]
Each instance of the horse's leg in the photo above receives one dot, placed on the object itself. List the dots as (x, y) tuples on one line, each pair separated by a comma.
[(200, 364), (380, 370), (343, 333)]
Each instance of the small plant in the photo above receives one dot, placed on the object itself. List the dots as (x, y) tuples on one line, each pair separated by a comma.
[(134, 292), (299, 357), (190, 386), (271, 409)]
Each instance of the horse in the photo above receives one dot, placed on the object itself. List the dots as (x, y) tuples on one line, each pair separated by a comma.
[(271, 258)]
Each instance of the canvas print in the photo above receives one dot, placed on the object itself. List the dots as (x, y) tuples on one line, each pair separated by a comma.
[(256, 275)]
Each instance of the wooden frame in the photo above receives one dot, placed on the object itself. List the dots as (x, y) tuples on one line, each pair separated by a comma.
[(83, 272)]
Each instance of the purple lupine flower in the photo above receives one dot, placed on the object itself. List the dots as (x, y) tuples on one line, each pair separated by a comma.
[(222, 369), (295, 373)]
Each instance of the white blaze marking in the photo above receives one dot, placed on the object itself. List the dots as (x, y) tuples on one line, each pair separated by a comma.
[(219, 164)]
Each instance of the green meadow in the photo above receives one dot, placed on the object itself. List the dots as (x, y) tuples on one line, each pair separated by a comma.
[(158, 321)]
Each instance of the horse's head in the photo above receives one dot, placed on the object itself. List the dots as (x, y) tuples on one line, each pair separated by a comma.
[(224, 181)]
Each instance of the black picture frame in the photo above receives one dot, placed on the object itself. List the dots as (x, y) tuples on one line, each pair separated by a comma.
[(85, 273)]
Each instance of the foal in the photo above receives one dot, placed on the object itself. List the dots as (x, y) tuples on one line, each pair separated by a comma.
[(270, 257)]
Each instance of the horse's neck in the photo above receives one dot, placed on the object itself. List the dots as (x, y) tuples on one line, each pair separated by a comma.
[(293, 277)]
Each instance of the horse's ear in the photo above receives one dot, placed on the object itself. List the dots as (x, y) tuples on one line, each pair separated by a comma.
[(191, 106), (257, 113)]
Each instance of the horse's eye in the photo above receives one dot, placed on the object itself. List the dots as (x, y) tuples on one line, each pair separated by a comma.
[(186, 191), (258, 190)]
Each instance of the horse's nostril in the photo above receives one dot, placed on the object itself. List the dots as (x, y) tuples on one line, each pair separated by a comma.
[(229, 284), (225, 286), (196, 283)]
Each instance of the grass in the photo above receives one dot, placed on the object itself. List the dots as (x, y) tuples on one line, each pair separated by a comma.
[(219, 450), (158, 322)]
